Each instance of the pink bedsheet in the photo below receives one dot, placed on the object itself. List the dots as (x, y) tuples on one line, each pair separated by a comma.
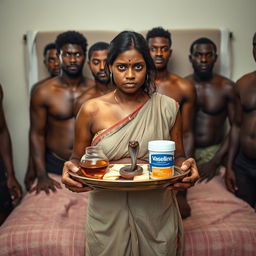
[(221, 224), (46, 225)]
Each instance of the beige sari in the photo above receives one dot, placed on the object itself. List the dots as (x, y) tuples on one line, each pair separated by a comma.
[(137, 222)]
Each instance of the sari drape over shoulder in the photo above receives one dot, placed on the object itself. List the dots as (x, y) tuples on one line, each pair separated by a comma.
[(138, 222)]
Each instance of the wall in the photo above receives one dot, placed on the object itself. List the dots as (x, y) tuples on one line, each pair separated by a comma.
[(19, 16)]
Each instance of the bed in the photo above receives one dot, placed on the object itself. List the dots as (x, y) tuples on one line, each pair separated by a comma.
[(221, 224)]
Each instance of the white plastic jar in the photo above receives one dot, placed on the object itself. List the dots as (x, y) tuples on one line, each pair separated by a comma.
[(161, 158)]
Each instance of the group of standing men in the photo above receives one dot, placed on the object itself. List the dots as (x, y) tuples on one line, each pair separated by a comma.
[(206, 100)]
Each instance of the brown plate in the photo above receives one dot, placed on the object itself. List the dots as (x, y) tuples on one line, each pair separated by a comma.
[(131, 185)]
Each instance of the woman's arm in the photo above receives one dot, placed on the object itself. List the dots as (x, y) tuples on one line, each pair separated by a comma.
[(83, 138)]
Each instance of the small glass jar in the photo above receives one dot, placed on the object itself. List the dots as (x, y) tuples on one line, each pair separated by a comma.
[(94, 162)]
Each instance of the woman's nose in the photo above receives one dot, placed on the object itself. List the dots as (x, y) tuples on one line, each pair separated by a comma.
[(130, 73)]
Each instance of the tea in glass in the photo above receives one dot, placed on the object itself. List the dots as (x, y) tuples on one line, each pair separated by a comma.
[(94, 163)]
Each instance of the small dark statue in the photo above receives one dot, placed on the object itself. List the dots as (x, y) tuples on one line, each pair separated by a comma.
[(129, 171)]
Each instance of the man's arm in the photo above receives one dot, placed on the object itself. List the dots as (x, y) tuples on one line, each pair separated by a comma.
[(6, 156), (38, 130), (180, 159), (188, 109), (233, 144)]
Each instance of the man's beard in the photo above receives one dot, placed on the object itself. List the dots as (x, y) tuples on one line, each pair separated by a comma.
[(203, 74), (73, 73), (97, 78), (161, 68)]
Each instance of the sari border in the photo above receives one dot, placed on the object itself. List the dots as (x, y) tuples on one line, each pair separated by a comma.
[(99, 137)]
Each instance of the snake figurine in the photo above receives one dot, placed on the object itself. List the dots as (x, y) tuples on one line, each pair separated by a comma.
[(129, 171)]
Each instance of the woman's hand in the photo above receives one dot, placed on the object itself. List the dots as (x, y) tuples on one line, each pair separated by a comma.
[(69, 183), (188, 181)]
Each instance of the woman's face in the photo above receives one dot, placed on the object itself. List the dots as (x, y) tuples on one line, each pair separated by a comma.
[(129, 71)]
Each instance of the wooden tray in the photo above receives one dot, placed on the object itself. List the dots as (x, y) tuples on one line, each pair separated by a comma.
[(131, 185)]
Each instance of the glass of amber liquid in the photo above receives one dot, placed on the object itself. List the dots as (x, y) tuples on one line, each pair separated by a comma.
[(94, 163)]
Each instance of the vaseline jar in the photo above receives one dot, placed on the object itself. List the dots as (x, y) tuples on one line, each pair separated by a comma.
[(161, 158)]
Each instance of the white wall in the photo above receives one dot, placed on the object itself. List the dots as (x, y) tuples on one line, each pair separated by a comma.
[(19, 16)]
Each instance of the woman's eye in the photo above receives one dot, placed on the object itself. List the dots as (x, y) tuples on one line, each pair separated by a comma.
[(121, 67), (138, 67)]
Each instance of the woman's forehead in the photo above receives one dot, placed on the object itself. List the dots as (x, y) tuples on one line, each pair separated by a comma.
[(131, 55)]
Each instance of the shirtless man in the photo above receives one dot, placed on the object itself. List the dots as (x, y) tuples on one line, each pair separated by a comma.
[(10, 189), (97, 56), (52, 64), (51, 59), (51, 111), (159, 43), (241, 167), (215, 103)]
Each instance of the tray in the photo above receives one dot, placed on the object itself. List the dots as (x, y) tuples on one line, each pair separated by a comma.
[(131, 185)]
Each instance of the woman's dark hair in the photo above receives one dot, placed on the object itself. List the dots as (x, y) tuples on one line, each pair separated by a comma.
[(128, 40)]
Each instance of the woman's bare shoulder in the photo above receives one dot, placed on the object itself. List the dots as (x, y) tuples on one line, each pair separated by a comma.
[(95, 105)]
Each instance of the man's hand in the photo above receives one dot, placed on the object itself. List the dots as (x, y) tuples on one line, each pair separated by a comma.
[(230, 181), (188, 181), (208, 170), (71, 184), (30, 177), (46, 184), (14, 189)]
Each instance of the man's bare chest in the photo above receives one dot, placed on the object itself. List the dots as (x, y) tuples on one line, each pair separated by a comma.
[(211, 100), (248, 98), (61, 104)]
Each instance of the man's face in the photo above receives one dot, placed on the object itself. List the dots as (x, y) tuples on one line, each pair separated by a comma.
[(98, 66), (72, 59), (203, 59), (52, 62), (254, 47), (160, 51)]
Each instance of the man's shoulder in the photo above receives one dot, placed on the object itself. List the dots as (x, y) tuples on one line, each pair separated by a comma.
[(89, 82), (179, 81), (184, 86), (246, 79), (87, 95), (45, 88), (224, 80)]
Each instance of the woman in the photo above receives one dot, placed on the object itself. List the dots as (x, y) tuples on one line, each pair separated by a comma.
[(137, 222)]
